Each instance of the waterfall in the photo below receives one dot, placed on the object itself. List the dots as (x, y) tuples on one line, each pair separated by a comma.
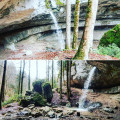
[(59, 32), (86, 86)]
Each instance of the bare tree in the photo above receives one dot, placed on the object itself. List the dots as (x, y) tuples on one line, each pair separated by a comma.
[(3, 85), (61, 80), (29, 77), (52, 73), (68, 24), (87, 38), (48, 71), (36, 70), (76, 24), (19, 84), (68, 79), (22, 76)]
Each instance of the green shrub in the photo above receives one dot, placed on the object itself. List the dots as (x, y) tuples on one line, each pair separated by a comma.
[(111, 50), (12, 99), (112, 36)]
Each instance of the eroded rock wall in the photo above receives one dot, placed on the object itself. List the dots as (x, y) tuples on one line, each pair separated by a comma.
[(20, 16), (107, 74)]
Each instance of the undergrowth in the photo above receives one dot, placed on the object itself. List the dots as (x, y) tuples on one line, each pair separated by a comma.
[(111, 50), (12, 99)]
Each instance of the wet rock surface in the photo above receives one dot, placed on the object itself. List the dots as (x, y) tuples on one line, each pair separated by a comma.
[(25, 20), (106, 77)]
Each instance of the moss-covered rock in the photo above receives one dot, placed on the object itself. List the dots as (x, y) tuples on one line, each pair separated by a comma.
[(112, 36), (38, 100), (37, 86), (34, 98), (47, 91), (43, 89), (25, 101)]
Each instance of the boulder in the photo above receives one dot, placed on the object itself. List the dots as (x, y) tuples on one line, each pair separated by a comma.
[(106, 75), (108, 109), (43, 89), (37, 86), (35, 99), (51, 114), (47, 92), (110, 37)]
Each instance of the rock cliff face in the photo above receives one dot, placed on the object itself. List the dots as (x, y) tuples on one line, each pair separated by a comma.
[(107, 74), (20, 19)]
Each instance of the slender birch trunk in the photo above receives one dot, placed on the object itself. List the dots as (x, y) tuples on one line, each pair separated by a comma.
[(68, 24)]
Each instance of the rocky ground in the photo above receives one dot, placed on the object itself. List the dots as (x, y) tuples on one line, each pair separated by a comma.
[(62, 109)]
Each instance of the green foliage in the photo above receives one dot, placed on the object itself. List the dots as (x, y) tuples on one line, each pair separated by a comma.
[(58, 2), (12, 99), (112, 36), (111, 50), (47, 4)]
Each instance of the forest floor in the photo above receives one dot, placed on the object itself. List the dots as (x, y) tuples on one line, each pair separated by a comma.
[(59, 55), (42, 50), (110, 109)]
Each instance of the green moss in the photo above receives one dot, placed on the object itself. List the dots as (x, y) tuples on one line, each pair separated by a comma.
[(39, 100), (58, 2), (80, 53), (47, 4), (112, 36), (47, 91), (88, 15), (76, 24), (37, 86)]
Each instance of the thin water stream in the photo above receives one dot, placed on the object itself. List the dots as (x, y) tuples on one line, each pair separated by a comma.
[(59, 31), (85, 90)]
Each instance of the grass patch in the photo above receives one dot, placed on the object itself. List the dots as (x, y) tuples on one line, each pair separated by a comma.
[(12, 99)]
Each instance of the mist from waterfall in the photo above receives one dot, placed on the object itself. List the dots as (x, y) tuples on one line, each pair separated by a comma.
[(59, 32), (85, 90)]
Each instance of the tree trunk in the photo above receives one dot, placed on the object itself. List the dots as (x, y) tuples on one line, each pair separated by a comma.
[(36, 70), (76, 24), (48, 72), (29, 77), (68, 79), (61, 81), (68, 24), (52, 73), (22, 76), (19, 85), (3, 85), (87, 38)]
